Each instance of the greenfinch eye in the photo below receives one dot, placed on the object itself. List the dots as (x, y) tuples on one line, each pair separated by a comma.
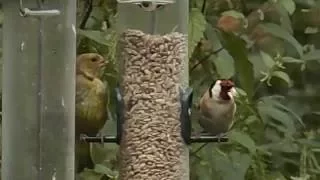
[(94, 59)]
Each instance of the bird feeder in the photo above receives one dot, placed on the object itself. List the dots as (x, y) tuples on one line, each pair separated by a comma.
[(153, 98), (153, 66)]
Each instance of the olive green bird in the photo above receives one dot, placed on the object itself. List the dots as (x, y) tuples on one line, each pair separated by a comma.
[(91, 104)]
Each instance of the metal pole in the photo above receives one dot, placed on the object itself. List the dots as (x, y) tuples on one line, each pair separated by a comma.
[(153, 67), (38, 90)]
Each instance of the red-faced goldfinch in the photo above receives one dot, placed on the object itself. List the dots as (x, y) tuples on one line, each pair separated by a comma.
[(217, 107)]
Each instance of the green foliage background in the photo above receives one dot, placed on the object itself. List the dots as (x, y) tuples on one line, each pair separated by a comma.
[(276, 135)]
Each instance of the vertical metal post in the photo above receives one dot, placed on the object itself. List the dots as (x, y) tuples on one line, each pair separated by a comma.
[(39, 91), (20, 120), (58, 91)]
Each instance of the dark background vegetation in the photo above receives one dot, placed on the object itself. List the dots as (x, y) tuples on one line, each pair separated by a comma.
[(271, 50)]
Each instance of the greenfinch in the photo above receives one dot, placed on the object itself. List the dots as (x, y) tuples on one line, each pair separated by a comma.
[(91, 104)]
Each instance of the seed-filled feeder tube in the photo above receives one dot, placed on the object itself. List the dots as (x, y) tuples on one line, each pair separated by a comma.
[(153, 69)]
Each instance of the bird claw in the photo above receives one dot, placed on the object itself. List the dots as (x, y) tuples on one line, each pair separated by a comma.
[(83, 137), (204, 133), (101, 138), (221, 135), (197, 134)]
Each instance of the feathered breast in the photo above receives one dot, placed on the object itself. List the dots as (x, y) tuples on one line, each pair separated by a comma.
[(91, 102), (215, 107)]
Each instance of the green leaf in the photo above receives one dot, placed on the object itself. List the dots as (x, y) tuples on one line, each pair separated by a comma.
[(277, 31), (275, 102), (241, 162), (307, 3), (311, 30), (211, 35), (281, 146), (282, 75), (233, 13), (304, 177), (316, 113), (258, 64), (244, 140), (289, 5), (231, 167), (267, 59), (244, 68), (312, 55), (197, 25), (98, 36), (275, 176), (284, 18), (240, 92), (251, 119), (224, 64), (1, 17), (99, 168), (89, 174), (268, 112), (314, 143), (291, 60), (197, 3)]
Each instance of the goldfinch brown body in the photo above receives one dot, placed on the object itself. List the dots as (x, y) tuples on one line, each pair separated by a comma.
[(217, 107)]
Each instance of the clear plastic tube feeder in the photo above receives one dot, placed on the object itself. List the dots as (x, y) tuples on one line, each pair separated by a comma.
[(153, 64)]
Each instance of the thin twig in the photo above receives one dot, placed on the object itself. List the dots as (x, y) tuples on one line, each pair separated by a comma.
[(244, 7), (194, 153), (205, 58), (87, 9), (203, 6)]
